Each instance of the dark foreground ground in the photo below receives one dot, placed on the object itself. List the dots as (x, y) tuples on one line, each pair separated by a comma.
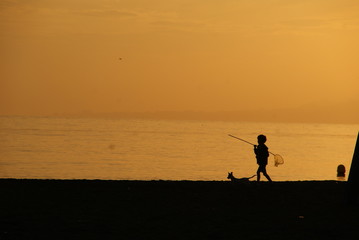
[(51, 209)]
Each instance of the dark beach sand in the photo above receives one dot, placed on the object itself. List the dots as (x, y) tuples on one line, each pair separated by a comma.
[(82, 209)]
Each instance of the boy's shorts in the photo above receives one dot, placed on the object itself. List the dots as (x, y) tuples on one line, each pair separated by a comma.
[(262, 168)]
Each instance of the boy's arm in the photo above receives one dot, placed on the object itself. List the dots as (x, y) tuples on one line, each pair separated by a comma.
[(267, 152)]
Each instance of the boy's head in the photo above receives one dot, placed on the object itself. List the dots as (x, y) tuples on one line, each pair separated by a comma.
[(261, 139)]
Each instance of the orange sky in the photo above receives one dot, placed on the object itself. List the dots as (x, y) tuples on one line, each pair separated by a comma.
[(63, 56)]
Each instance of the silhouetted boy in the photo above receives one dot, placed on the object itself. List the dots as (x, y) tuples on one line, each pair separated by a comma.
[(262, 155)]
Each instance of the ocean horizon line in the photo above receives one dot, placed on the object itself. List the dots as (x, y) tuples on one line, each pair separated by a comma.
[(270, 116)]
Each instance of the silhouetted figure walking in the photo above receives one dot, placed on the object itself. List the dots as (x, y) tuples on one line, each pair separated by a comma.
[(262, 155)]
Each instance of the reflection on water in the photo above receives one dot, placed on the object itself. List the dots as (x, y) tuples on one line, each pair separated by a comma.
[(79, 148)]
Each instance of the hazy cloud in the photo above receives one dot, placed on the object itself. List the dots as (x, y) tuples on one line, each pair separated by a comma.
[(8, 3), (107, 13), (195, 26)]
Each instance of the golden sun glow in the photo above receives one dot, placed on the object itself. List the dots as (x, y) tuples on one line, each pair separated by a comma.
[(69, 57)]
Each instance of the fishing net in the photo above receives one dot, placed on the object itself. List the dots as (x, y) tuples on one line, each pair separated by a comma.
[(278, 160)]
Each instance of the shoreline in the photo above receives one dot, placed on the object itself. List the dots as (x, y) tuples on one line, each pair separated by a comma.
[(160, 209), (159, 180)]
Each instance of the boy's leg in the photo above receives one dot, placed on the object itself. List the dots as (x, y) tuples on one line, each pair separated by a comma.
[(259, 173), (266, 174)]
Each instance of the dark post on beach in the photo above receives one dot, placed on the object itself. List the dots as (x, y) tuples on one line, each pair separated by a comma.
[(353, 179)]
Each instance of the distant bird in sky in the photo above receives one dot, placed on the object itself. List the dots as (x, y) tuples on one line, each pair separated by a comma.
[(120, 58)]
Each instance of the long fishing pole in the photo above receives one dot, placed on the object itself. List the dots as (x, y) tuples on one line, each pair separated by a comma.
[(241, 139), (278, 159), (246, 142)]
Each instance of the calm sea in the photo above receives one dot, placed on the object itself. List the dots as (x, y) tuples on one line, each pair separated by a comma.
[(89, 148)]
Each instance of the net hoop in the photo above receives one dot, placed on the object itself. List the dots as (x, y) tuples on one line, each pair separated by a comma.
[(278, 160)]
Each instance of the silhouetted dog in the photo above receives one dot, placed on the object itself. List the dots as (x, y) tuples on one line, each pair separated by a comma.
[(234, 179)]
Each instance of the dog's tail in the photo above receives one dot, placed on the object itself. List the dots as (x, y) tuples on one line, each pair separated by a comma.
[(252, 176)]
